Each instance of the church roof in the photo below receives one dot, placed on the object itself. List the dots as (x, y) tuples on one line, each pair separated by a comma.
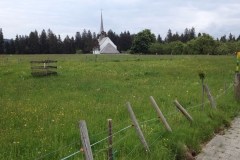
[(101, 41), (109, 48)]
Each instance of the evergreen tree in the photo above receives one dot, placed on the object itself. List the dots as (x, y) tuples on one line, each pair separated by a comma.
[(192, 34), (113, 36), (125, 41), (159, 39), (189, 34), (78, 41), (12, 46), (67, 45), (95, 41), (223, 39), (21, 46), (9, 47), (1, 42), (84, 40), (182, 38), (169, 36), (238, 39), (60, 46), (89, 42), (44, 48), (231, 37), (175, 37), (17, 44), (33, 43), (73, 47), (52, 42)]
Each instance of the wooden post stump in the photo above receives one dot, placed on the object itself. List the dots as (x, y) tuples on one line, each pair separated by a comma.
[(137, 127), (110, 141), (210, 97), (85, 140), (184, 112), (237, 87), (160, 114)]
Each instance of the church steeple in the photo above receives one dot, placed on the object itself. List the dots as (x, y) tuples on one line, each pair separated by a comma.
[(101, 28), (102, 33), (105, 45)]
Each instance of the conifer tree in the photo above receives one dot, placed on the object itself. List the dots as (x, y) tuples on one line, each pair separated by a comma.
[(52, 42), (44, 48), (78, 41), (169, 36), (33, 43), (125, 41), (159, 39), (1, 42)]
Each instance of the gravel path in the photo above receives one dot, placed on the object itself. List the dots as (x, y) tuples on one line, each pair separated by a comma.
[(224, 147)]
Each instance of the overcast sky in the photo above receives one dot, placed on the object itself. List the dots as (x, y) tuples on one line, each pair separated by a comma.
[(66, 17)]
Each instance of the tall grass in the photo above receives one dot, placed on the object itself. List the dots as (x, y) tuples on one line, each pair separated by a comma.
[(39, 116)]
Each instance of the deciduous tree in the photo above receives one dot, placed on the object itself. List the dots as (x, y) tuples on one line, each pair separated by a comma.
[(142, 41)]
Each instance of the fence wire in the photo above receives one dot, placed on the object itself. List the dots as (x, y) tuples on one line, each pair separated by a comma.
[(127, 127)]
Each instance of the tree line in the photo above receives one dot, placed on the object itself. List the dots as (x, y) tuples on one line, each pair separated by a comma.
[(186, 43), (143, 42), (49, 43)]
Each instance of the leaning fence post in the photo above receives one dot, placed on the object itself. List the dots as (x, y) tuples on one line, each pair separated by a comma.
[(184, 112), (110, 149), (237, 87), (85, 140), (210, 97), (160, 114), (137, 127)]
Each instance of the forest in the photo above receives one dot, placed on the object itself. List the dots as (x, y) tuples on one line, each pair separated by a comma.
[(144, 42)]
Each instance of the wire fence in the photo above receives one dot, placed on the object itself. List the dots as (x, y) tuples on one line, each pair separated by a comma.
[(226, 91)]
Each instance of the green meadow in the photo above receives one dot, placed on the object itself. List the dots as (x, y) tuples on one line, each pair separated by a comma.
[(39, 115)]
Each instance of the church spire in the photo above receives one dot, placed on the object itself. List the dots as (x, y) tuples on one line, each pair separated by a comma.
[(102, 33), (101, 28)]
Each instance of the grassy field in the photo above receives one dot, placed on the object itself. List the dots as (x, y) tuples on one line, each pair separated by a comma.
[(39, 116)]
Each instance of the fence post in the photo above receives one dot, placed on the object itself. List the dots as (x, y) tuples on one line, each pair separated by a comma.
[(110, 149), (85, 140), (136, 125), (160, 114), (184, 112), (237, 87), (210, 97)]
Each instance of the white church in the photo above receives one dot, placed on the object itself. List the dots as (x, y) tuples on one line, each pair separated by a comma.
[(106, 46)]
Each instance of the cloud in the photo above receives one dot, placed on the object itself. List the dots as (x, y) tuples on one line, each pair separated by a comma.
[(68, 16)]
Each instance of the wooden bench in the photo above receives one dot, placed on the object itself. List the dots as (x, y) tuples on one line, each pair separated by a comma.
[(43, 68)]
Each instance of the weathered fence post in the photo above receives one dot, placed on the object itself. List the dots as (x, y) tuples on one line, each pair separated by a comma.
[(201, 75), (85, 140), (137, 127), (210, 97), (110, 141), (184, 112), (237, 87), (160, 114)]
